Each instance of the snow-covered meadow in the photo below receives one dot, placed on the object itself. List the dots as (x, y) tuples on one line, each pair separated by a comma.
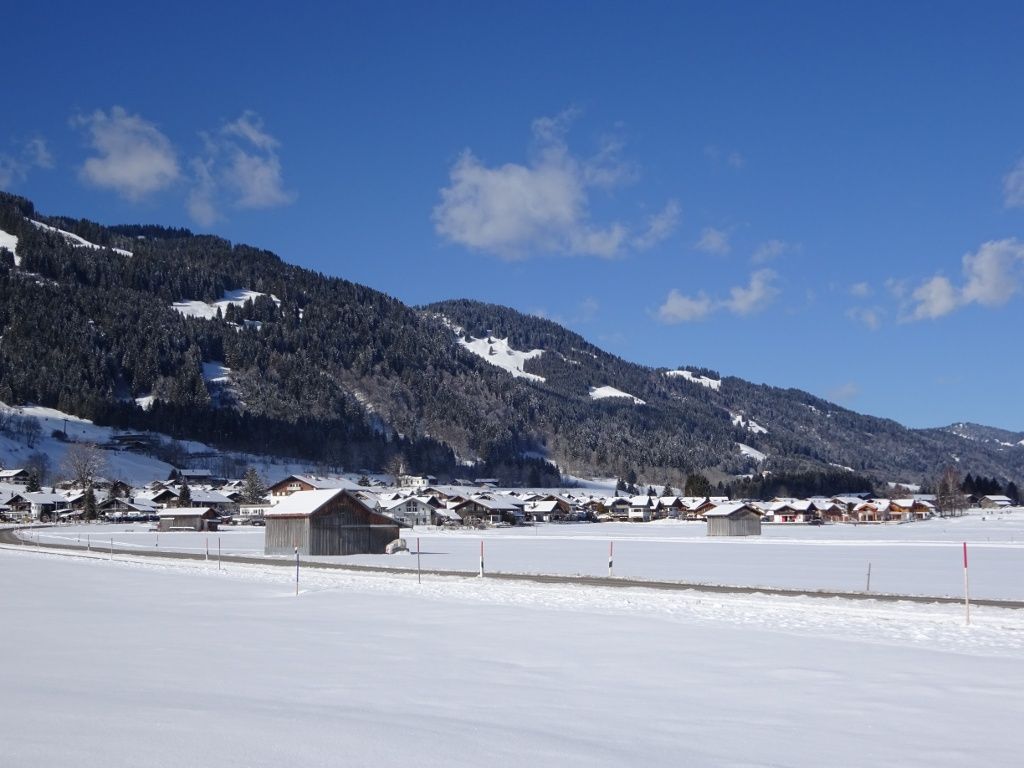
[(175, 663), (922, 558)]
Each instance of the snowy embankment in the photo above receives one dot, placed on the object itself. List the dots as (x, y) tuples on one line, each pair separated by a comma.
[(498, 352), (77, 241), (191, 666), (919, 558)]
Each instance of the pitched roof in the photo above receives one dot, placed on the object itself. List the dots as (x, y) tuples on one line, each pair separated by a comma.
[(303, 503)]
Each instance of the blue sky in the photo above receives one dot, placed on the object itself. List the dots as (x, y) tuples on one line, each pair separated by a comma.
[(829, 198)]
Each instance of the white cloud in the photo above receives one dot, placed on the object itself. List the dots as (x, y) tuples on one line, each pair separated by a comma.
[(732, 158), (755, 296), (869, 316), (135, 159), (992, 276), (515, 210), (844, 393), (935, 297), (769, 251), (240, 168), (713, 241), (684, 309), (743, 300), (991, 273), (200, 203), (735, 160), (860, 289), (896, 288), (659, 227), (16, 167), (1013, 186)]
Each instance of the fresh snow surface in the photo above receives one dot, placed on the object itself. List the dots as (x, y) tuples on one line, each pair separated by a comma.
[(704, 381), (499, 353), (739, 420), (10, 242), (216, 372), (600, 393), (921, 558), (129, 466), (208, 311), (145, 403), (78, 242), (188, 665), (753, 453)]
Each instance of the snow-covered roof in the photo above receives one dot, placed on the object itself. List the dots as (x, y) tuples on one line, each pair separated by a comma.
[(303, 503), (726, 510), (185, 512)]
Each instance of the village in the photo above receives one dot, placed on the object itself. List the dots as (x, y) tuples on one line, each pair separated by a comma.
[(196, 500)]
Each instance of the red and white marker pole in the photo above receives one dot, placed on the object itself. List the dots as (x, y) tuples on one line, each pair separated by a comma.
[(611, 557), (481, 558), (967, 591)]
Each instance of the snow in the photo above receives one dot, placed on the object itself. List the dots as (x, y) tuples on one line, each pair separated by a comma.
[(704, 381), (600, 393), (216, 372), (145, 403), (194, 666), (208, 311), (915, 558), (739, 420), (498, 352), (10, 242), (753, 453), (78, 242)]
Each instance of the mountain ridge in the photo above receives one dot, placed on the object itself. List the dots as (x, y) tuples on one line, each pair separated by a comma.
[(326, 369)]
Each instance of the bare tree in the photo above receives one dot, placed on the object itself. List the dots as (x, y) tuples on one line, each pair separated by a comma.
[(83, 463), (950, 496)]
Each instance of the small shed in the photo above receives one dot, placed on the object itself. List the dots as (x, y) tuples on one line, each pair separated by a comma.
[(733, 520), (327, 522), (187, 519)]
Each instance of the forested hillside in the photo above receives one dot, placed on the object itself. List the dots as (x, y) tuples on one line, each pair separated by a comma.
[(324, 369)]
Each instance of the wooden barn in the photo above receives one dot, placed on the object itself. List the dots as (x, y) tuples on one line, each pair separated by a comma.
[(733, 520), (187, 519), (327, 522)]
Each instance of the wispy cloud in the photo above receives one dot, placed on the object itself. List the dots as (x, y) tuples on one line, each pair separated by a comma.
[(844, 393), (240, 168), (520, 210), (860, 290), (770, 250), (733, 158), (685, 309), (1013, 186), (870, 317), (714, 241), (659, 227), (742, 300), (992, 276), (133, 157), (15, 166)]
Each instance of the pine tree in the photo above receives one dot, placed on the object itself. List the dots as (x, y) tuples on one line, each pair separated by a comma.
[(669, 491), (89, 504), (697, 485), (185, 494), (33, 481), (255, 490)]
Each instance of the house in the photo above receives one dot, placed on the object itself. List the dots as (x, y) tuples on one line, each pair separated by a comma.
[(294, 483), (411, 511), (191, 475), (640, 509), (42, 505), (551, 508), (14, 476), (995, 502), (188, 519), (733, 520), (327, 522), (415, 481), (487, 510)]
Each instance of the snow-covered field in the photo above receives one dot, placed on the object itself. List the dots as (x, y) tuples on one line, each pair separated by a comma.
[(174, 663), (921, 558)]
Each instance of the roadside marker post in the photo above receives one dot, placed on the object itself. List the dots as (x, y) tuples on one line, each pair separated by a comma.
[(481, 558), (111, 548), (296, 571), (88, 542), (207, 549), (218, 553), (869, 578), (967, 591), (419, 573), (611, 557)]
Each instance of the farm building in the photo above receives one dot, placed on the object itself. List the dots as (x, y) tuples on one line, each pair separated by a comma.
[(327, 522), (188, 519), (733, 520)]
